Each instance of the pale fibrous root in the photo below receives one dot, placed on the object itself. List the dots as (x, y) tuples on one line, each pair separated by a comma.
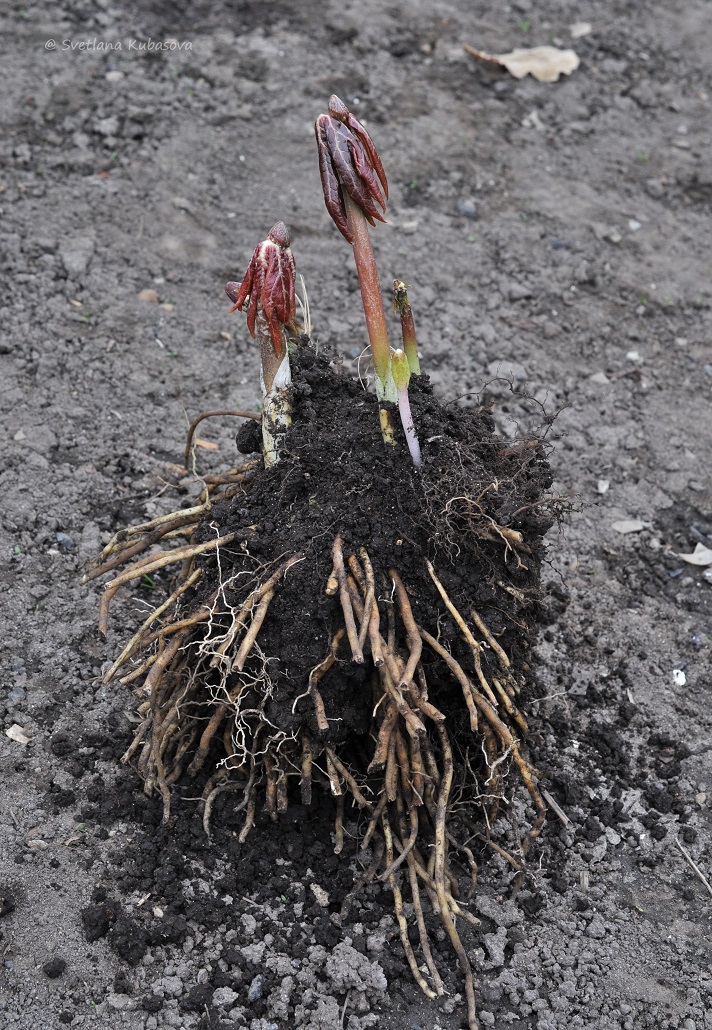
[(205, 680)]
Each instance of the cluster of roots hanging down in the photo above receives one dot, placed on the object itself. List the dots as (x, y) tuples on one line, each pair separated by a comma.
[(204, 683)]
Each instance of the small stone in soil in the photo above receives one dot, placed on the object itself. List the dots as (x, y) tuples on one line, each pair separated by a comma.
[(466, 208), (255, 991), (54, 967), (627, 526)]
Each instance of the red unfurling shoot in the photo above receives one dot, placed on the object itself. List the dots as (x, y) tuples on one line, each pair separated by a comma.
[(355, 187)]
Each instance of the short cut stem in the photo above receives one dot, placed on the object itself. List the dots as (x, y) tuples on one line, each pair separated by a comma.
[(401, 304)]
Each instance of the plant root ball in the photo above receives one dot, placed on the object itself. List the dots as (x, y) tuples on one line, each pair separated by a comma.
[(474, 510)]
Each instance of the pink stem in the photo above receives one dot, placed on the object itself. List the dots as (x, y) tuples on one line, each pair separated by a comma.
[(371, 295), (410, 343)]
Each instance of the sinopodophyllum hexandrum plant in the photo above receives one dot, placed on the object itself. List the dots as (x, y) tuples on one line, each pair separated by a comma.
[(355, 186), (268, 290), (200, 654)]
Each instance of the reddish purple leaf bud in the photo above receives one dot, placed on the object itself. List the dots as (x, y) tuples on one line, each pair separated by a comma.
[(338, 109), (269, 285), (232, 290), (279, 233), (348, 160)]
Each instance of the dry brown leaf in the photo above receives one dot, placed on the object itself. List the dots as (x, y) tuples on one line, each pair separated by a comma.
[(545, 63), (207, 445)]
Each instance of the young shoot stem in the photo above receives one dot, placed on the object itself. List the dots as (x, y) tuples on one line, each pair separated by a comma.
[(372, 300)]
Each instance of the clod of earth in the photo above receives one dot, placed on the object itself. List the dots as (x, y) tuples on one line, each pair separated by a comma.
[(341, 619)]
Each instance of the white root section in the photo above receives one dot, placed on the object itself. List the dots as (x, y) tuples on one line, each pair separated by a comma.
[(276, 411), (409, 427)]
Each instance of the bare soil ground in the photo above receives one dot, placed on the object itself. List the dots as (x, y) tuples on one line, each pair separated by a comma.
[(556, 238)]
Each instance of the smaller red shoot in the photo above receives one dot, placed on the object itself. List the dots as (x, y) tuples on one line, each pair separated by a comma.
[(268, 285)]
